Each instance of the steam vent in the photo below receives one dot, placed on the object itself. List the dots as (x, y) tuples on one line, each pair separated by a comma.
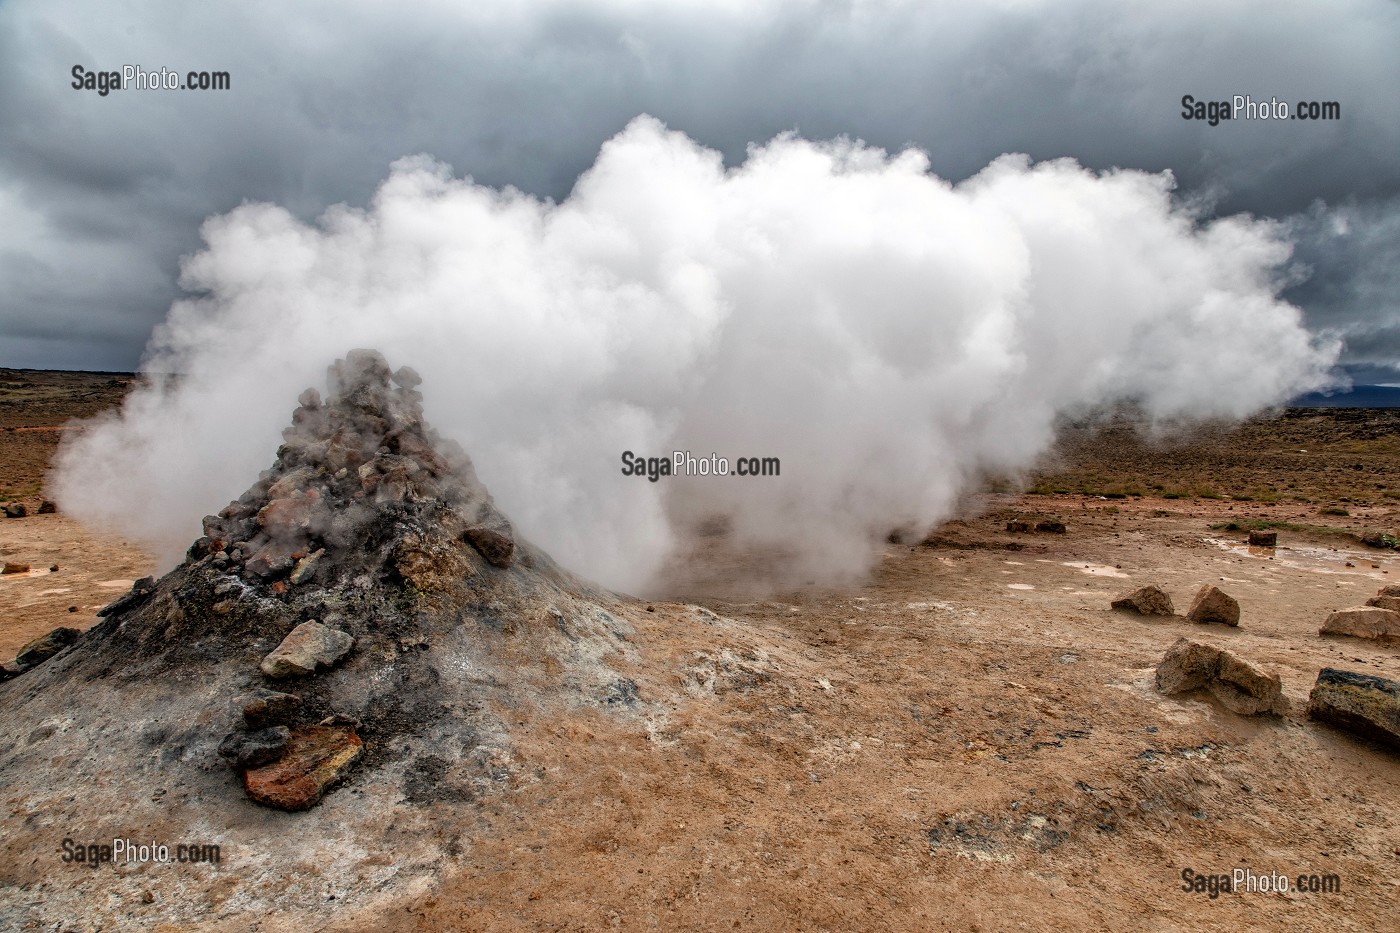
[(349, 635)]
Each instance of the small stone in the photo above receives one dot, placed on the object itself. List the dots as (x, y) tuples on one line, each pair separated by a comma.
[(315, 760), (1147, 600), (1051, 527), (264, 707), (45, 646), (1363, 622), (1241, 687), (1385, 602), (254, 749), (140, 591), (1263, 538), (1213, 605), (47, 508), (14, 568), (309, 647), (53, 569), (306, 567), (1360, 703)]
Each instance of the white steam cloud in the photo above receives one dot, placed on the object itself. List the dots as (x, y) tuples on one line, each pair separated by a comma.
[(888, 335)]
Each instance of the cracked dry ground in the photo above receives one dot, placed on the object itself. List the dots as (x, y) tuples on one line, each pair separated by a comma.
[(969, 741)]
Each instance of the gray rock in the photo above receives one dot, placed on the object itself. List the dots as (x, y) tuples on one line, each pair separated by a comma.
[(1213, 605), (1360, 703), (263, 708), (1189, 666), (1390, 589), (1363, 622), (309, 647), (1147, 600), (243, 750), (44, 647), (15, 510)]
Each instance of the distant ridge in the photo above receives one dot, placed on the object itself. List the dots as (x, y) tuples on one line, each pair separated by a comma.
[(1355, 397)]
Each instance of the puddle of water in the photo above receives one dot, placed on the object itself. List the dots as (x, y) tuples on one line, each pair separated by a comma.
[(1095, 570), (1316, 559), (1019, 586)]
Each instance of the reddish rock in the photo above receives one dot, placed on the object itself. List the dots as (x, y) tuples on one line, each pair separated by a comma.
[(1147, 601), (14, 568), (1214, 606), (285, 518), (315, 760), (493, 543), (1363, 622)]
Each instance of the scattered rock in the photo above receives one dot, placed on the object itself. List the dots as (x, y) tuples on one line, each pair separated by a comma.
[(1051, 527), (14, 568), (263, 708), (44, 647), (309, 647), (140, 591), (1360, 703), (47, 508), (15, 510), (315, 759), (1241, 687), (1263, 538), (1148, 601), (244, 750), (1363, 622), (1385, 602), (1213, 605)]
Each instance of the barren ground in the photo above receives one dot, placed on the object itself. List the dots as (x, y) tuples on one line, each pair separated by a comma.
[(969, 741)]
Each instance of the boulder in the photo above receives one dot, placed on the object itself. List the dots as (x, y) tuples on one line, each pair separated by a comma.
[(1263, 538), (263, 708), (1360, 703), (309, 647), (1213, 605), (47, 508), (1147, 600), (44, 647), (1189, 666), (1385, 602), (244, 750), (316, 758), (1363, 622)]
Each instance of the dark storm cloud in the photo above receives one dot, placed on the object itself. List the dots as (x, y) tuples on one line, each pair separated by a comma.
[(103, 194)]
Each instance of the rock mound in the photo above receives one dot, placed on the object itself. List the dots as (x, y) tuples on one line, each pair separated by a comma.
[(1189, 666)]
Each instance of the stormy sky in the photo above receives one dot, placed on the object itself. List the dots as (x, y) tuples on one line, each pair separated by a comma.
[(102, 195)]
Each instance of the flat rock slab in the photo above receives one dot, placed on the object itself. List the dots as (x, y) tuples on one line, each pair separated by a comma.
[(1240, 687), (1147, 601), (44, 647), (1360, 703), (1363, 622), (316, 758), (1213, 605), (308, 648)]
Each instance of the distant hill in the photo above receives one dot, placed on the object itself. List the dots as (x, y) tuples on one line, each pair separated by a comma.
[(1355, 397)]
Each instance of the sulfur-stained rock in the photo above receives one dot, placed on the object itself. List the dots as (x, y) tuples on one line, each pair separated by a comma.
[(316, 758), (1241, 687), (1147, 600), (1213, 605), (1360, 703), (308, 648), (1363, 622)]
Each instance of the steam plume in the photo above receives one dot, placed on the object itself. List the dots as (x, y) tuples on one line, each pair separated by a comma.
[(887, 335)]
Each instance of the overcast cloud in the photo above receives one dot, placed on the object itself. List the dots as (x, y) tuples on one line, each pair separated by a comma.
[(101, 196)]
